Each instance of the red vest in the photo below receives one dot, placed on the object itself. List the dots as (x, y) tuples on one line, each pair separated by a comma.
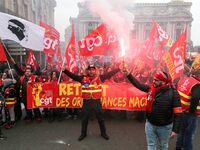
[(10, 102), (91, 88), (184, 88)]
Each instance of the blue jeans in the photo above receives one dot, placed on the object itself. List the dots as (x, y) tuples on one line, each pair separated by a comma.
[(187, 131), (156, 134)]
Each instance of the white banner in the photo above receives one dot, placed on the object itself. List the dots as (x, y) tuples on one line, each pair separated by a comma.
[(26, 33)]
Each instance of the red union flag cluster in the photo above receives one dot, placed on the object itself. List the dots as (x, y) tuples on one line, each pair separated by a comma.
[(178, 54), (31, 59), (51, 39), (97, 41), (93, 43), (70, 53), (21, 31)]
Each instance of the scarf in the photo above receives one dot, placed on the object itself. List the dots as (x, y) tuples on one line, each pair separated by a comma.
[(151, 96)]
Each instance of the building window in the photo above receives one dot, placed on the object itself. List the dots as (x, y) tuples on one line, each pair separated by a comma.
[(147, 28), (133, 34), (34, 17), (148, 25), (178, 33), (33, 5), (146, 34), (163, 26), (178, 30), (15, 6), (90, 24), (26, 11), (89, 30), (178, 25)]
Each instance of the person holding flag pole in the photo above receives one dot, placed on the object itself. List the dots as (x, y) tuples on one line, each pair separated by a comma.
[(60, 74), (2, 99), (18, 111), (27, 77)]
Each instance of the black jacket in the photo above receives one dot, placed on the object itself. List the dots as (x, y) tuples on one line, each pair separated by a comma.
[(195, 98), (165, 100), (80, 78)]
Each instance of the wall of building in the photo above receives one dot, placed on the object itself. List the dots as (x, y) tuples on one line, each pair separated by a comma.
[(33, 11), (174, 17)]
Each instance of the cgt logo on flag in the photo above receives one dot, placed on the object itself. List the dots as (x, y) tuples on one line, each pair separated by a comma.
[(18, 28)]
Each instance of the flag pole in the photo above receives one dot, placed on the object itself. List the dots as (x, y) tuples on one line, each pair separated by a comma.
[(61, 71), (10, 70), (122, 53), (7, 59)]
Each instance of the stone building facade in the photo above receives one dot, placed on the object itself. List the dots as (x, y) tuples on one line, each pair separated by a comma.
[(174, 17), (33, 11)]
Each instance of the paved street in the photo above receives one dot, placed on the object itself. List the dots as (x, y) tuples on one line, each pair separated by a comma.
[(124, 135)]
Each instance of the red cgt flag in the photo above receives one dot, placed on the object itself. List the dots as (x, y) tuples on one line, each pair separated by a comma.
[(51, 40), (149, 47), (178, 54), (2, 53), (31, 59), (70, 53), (163, 36), (59, 58), (94, 43)]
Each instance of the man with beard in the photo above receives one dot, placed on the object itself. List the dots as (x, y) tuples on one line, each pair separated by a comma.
[(163, 110)]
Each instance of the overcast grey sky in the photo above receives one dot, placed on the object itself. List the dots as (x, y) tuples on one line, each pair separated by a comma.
[(67, 8)]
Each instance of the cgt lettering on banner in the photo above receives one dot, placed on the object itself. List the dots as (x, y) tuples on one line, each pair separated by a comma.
[(46, 101), (69, 89)]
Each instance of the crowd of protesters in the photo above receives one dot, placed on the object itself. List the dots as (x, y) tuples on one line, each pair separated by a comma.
[(14, 87), (13, 91), (51, 74)]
